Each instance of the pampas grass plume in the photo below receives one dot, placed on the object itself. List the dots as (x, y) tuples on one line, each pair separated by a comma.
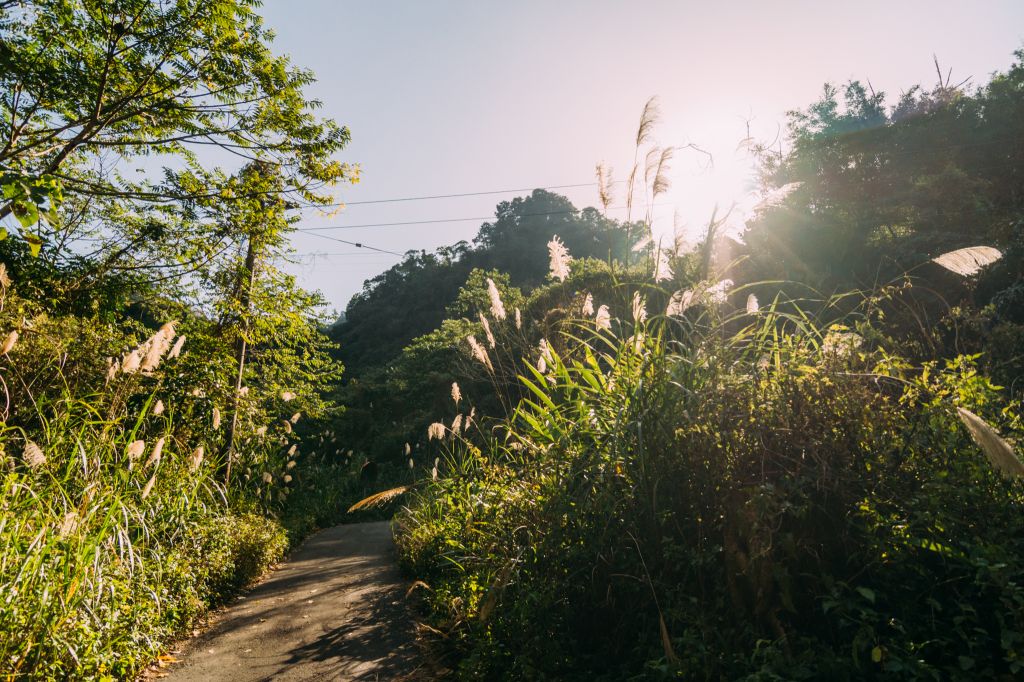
[(149, 486), (33, 455), (9, 342), (995, 447), (497, 307), (559, 259), (487, 331)]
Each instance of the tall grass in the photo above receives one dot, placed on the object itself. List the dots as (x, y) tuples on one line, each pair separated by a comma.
[(729, 491), (116, 529)]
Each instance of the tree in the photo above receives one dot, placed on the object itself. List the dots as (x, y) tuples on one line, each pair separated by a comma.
[(411, 298), (91, 85)]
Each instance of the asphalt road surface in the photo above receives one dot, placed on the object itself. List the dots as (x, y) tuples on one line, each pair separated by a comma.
[(334, 611)]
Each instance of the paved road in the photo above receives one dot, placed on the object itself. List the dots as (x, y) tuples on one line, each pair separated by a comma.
[(334, 611)]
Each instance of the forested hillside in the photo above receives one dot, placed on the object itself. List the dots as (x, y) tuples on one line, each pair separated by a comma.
[(393, 307)]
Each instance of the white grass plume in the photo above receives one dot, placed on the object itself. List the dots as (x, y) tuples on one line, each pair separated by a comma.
[(176, 348), (478, 352), (33, 455), (559, 259), (999, 452), (968, 261), (639, 308), (662, 269), (196, 459), (487, 331), (9, 342), (497, 307), (436, 431)]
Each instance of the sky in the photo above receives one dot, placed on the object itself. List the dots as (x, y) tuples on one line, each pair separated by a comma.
[(468, 96)]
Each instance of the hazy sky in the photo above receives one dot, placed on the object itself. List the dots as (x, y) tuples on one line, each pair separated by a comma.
[(474, 96)]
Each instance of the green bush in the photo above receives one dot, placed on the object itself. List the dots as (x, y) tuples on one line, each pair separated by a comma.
[(117, 529), (748, 498)]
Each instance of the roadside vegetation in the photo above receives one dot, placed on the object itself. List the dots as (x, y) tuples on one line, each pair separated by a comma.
[(788, 451), (162, 379)]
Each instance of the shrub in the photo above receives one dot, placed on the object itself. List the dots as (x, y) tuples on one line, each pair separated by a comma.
[(748, 498)]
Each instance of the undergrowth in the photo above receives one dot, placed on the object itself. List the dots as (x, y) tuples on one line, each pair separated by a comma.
[(703, 495)]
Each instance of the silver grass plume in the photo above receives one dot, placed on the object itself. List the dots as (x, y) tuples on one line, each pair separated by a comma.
[(639, 308), (662, 269), (999, 452), (68, 525), (135, 449), (497, 307), (130, 363), (9, 342), (33, 455), (478, 352), (559, 259), (176, 348), (196, 459), (436, 430), (155, 456), (487, 331), (604, 186), (148, 488), (969, 261)]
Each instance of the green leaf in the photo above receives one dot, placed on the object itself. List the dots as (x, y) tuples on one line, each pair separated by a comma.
[(876, 655), (867, 593), (26, 212), (34, 243)]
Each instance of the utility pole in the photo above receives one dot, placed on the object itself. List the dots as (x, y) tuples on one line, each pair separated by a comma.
[(245, 299)]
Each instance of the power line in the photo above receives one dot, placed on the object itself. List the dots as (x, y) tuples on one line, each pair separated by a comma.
[(453, 220), (357, 244), (333, 253), (453, 196)]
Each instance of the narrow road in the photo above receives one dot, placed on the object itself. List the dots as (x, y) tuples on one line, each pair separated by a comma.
[(333, 611)]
